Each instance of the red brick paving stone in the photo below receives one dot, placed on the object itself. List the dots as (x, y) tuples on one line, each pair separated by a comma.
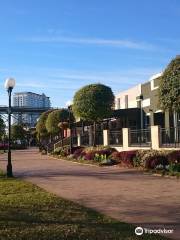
[(127, 195)]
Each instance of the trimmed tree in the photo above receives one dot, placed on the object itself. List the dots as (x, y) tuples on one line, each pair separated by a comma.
[(93, 102), (53, 120), (18, 132), (169, 90), (41, 125)]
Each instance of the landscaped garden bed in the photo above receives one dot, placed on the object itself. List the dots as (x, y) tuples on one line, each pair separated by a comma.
[(152, 161), (90, 155), (29, 212)]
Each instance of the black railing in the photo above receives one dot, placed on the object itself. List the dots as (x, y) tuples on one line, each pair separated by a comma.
[(85, 139), (170, 137), (66, 142), (74, 141), (140, 138), (99, 137), (62, 143), (116, 138)]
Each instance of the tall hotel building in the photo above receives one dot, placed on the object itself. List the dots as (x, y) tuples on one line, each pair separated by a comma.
[(30, 100)]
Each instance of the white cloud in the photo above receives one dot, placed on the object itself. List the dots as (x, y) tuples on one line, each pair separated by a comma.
[(61, 84), (31, 84), (112, 77), (55, 78), (120, 43)]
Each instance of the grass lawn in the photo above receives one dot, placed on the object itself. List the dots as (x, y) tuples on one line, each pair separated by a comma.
[(27, 212)]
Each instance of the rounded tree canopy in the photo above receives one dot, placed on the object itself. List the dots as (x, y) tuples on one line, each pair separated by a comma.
[(54, 118), (41, 124), (169, 90), (18, 132), (93, 102)]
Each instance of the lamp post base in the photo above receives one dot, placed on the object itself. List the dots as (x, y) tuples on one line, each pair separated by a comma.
[(9, 170)]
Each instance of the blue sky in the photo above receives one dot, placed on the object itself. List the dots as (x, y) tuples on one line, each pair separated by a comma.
[(58, 46)]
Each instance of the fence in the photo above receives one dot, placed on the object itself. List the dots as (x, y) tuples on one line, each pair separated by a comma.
[(85, 139), (74, 141), (66, 142), (170, 137), (63, 142), (140, 138), (128, 139), (116, 138), (99, 137)]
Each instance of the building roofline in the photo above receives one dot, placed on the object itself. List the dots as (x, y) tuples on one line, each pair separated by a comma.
[(154, 76), (18, 93), (126, 90)]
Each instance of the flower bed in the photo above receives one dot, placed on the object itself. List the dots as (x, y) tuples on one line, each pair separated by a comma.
[(99, 155), (167, 162), (124, 158)]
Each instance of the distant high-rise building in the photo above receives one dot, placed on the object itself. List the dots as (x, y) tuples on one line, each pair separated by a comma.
[(31, 100)]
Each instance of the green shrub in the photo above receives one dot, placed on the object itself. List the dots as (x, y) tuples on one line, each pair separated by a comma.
[(138, 161), (99, 148), (96, 153), (63, 152), (152, 158), (100, 157), (57, 151), (159, 160), (174, 167)]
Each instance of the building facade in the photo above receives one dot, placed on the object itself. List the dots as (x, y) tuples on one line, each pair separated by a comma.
[(145, 97), (127, 99), (31, 100)]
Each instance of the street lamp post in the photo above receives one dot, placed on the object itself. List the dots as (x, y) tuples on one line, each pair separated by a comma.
[(9, 85)]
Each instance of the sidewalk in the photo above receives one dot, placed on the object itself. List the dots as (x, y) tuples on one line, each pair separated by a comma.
[(125, 194)]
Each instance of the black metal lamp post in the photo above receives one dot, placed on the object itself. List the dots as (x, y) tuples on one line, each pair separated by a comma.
[(9, 85), (70, 130)]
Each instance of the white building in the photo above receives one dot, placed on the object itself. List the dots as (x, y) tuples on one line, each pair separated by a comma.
[(144, 96), (31, 100), (127, 98)]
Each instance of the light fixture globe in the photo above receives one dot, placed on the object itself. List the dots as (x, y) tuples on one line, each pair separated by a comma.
[(10, 83)]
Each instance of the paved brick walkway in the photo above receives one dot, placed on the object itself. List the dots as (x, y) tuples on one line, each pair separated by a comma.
[(124, 194)]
